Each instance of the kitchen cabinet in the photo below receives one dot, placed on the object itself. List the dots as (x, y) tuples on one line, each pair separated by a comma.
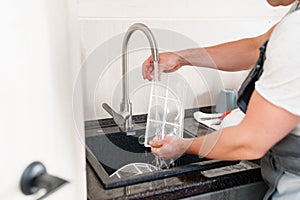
[(39, 61)]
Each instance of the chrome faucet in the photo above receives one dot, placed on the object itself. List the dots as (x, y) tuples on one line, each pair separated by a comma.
[(124, 117)]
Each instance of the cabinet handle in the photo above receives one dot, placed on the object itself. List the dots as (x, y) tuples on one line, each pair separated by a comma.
[(35, 177)]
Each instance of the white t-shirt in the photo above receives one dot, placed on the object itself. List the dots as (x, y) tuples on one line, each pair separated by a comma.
[(280, 81)]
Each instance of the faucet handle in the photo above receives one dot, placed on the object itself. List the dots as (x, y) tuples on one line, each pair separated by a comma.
[(120, 119)]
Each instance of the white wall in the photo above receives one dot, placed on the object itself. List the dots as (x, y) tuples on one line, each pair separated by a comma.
[(176, 25), (40, 60)]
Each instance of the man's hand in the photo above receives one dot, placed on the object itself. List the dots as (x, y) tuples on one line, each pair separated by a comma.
[(170, 147), (168, 62)]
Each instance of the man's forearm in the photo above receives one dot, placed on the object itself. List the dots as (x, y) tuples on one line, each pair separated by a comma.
[(228, 144), (231, 56)]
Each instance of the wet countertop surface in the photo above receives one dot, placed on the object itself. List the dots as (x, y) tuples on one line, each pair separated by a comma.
[(180, 186)]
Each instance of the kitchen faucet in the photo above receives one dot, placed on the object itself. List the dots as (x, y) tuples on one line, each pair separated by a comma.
[(124, 117)]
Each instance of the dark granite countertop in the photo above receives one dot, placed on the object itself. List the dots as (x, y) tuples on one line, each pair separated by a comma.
[(180, 186)]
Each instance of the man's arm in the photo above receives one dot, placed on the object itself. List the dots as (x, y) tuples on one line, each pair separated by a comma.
[(263, 126), (231, 56)]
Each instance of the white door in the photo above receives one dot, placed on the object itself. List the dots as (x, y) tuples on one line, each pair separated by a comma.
[(39, 59)]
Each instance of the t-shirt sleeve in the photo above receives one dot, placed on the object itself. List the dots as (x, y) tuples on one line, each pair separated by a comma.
[(280, 81)]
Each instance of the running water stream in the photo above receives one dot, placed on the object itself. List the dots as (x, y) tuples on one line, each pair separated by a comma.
[(159, 162)]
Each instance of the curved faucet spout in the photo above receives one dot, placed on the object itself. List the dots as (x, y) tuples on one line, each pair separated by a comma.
[(124, 117), (126, 106)]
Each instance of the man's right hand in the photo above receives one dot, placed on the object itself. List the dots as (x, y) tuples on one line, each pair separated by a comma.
[(168, 62)]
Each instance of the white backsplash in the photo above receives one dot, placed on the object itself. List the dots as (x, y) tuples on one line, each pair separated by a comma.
[(176, 25)]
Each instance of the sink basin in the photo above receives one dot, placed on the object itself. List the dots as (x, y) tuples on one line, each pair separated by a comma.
[(107, 153)]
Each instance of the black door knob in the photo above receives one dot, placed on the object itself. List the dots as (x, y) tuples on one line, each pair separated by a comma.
[(35, 177)]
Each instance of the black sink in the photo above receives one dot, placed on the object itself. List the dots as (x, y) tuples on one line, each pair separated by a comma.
[(107, 153)]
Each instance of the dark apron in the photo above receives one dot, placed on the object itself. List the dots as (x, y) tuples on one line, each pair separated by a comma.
[(285, 155)]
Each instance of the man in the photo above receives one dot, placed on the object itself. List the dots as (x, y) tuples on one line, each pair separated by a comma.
[(271, 126)]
